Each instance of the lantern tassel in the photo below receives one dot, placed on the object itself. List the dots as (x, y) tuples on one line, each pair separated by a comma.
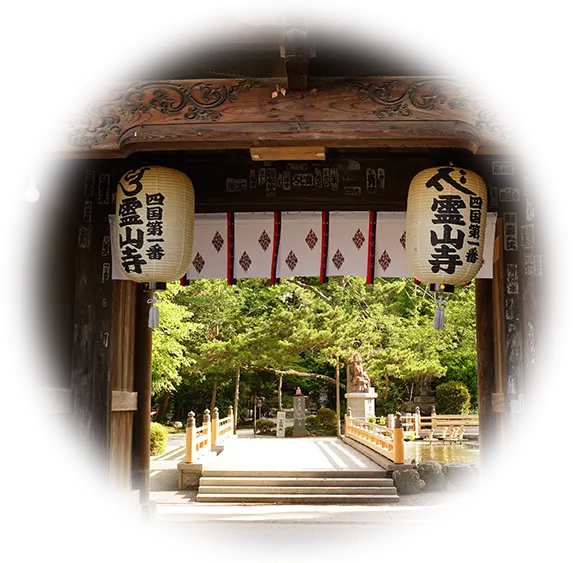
[(440, 301), (153, 319)]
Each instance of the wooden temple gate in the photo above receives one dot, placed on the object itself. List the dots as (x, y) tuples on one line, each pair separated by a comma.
[(222, 133)]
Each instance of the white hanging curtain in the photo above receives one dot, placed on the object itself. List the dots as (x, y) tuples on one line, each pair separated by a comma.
[(300, 245)]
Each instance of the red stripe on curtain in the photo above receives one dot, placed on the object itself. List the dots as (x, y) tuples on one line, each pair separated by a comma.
[(230, 247), (276, 239)]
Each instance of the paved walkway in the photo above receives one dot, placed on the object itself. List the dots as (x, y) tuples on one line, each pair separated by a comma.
[(291, 454)]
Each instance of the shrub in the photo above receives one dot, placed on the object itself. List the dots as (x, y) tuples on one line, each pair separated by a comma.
[(157, 439), (452, 398), (324, 423), (327, 417), (265, 427), (289, 432)]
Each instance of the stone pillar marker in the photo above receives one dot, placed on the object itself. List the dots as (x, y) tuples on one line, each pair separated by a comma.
[(281, 424), (299, 414)]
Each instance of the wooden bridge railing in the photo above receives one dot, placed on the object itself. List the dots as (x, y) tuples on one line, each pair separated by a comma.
[(450, 426), (381, 439), (197, 439), (221, 428), (213, 432)]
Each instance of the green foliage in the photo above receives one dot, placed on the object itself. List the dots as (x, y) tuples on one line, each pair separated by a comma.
[(327, 417), (264, 427), (324, 423), (209, 328), (289, 432), (452, 398), (460, 366), (158, 438)]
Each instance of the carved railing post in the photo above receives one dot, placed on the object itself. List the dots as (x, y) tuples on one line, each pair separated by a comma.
[(215, 427), (418, 422), (207, 424), (348, 416), (190, 437), (398, 439), (390, 421), (230, 414)]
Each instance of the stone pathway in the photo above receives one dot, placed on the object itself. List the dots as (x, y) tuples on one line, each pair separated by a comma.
[(291, 454)]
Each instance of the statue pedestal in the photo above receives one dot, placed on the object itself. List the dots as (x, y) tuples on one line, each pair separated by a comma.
[(362, 404)]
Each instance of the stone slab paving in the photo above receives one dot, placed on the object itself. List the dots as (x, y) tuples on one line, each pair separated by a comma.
[(291, 454)]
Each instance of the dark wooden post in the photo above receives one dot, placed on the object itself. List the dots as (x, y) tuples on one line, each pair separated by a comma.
[(142, 372), (485, 366)]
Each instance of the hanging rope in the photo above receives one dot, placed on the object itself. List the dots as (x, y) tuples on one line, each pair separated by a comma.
[(441, 302), (153, 319)]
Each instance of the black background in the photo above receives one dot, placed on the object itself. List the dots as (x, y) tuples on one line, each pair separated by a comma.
[(522, 53)]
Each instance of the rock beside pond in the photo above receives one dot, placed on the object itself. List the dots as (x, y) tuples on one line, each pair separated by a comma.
[(433, 474), (461, 475), (407, 481), (177, 425)]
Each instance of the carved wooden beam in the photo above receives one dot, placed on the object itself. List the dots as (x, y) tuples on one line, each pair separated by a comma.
[(367, 112)]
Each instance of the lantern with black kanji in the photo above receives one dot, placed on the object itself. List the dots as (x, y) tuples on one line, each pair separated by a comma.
[(446, 224), (155, 212)]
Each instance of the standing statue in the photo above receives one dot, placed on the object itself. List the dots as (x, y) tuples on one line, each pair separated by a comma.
[(361, 381)]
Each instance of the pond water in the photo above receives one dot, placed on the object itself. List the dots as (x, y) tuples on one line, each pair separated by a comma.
[(466, 452)]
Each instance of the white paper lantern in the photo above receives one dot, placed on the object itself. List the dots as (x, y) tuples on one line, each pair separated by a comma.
[(446, 223), (155, 213)]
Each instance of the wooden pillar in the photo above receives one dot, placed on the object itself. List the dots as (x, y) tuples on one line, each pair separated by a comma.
[(485, 366), (498, 397), (142, 383), (338, 397)]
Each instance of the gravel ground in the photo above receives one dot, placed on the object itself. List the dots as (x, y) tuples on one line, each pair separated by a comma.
[(456, 499)]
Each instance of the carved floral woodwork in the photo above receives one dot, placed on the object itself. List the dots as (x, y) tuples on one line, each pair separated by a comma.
[(381, 112)]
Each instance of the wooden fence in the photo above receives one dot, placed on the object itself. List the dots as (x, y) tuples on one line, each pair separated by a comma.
[(443, 426), (381, 439), (213, 432)]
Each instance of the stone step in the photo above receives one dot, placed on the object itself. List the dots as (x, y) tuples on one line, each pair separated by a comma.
[(295, 482), (296, 499), (325, 490), (307, 474)]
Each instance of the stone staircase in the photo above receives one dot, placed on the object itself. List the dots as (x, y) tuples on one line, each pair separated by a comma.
[(296, 487)]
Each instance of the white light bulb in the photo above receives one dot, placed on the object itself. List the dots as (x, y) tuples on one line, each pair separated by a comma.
[(32, 194)]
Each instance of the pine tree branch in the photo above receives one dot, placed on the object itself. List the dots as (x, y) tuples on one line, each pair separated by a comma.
[(303, 374), (314, 290)]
